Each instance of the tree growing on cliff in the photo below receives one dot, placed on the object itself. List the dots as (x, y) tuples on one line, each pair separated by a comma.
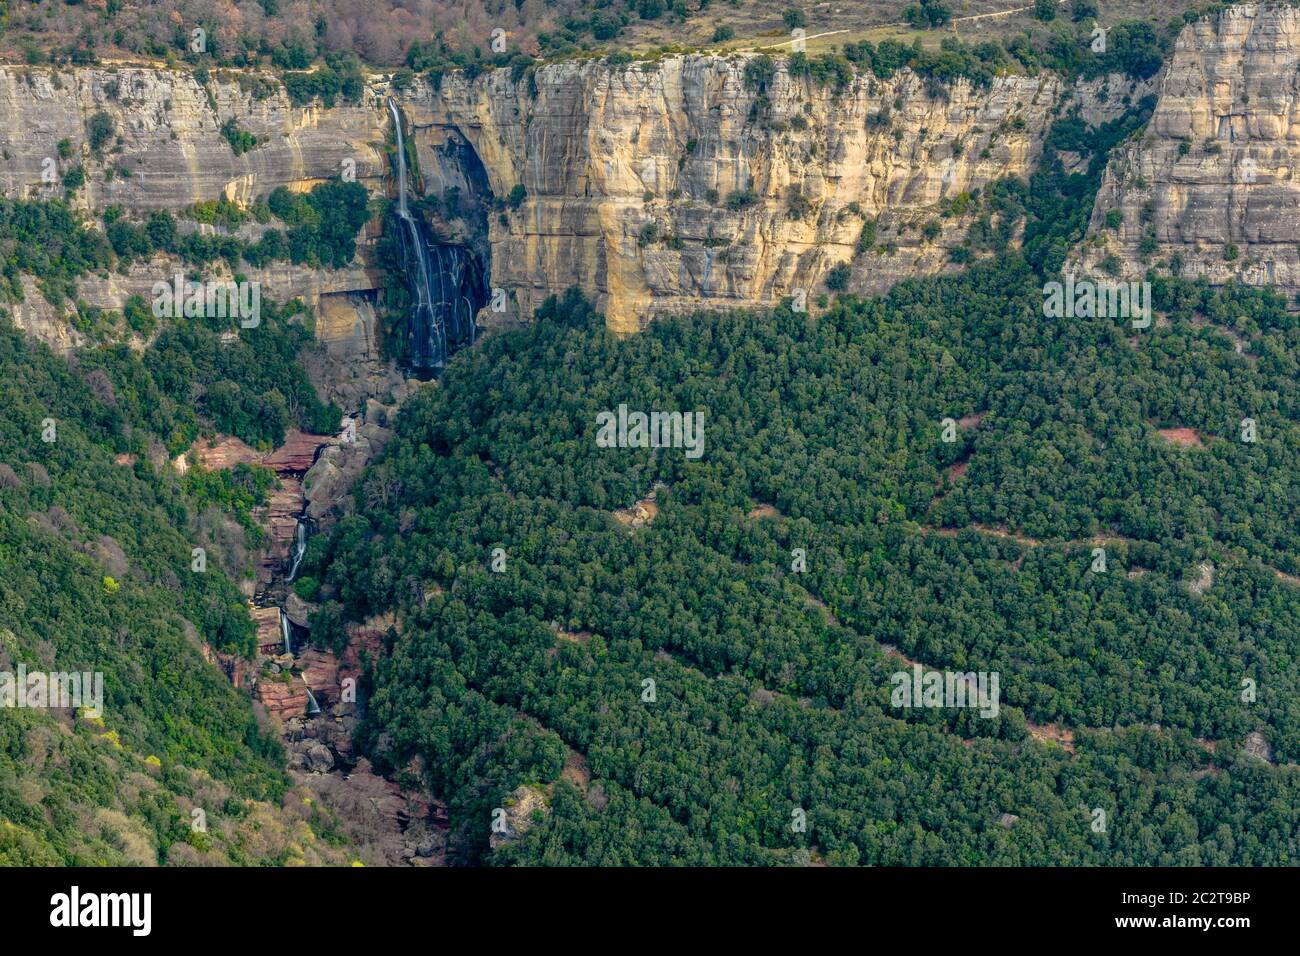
[(837, 280), (99, 130)]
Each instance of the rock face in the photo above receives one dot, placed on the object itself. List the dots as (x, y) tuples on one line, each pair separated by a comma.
[(170, 126), (167, 135), (671, 186), (654, 187), (1217, 167)]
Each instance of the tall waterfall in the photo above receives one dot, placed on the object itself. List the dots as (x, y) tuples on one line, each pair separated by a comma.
[(284, 629), (441, 278)]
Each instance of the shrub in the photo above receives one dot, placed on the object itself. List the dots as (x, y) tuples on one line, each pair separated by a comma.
[(837, 279)]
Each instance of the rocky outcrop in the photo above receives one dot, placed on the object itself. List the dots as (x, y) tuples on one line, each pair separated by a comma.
[(167, 134), (1212, 186), (655, 187), (348, 366), (341, 463), (389, 825), (283, 697), (671, 185), (522, 809), (270, 636), (320, 669)]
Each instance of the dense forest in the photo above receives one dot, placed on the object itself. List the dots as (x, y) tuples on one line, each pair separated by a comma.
[(773, 687), (98, 536), (96, 574), (828, 536)]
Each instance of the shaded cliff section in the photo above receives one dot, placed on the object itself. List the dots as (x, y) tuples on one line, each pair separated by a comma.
[(1211, 190), (674, 185)]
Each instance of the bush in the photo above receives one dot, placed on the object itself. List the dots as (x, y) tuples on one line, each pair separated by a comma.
[(650, 9), (837, 280), (241, 141), (740, 198), (759, 72)]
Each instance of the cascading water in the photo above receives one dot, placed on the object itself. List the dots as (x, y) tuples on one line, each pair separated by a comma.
[(442, 278), (313, 708), (284, 629), (299, 548)]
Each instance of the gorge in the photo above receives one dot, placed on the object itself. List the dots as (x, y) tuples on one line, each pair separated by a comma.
[(445, 602)]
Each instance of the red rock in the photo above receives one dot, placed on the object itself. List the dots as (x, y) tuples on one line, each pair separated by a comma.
[(297, 453), (365, 641), (282, 699), (270, 637), (227, 452), (320, 669)]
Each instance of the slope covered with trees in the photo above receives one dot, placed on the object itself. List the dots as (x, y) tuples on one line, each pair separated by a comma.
[(95, 575), (824, 437)]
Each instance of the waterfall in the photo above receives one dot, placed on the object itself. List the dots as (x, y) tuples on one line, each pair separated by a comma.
[(442, 283), (299, 548), (314, 707), (284, 629)]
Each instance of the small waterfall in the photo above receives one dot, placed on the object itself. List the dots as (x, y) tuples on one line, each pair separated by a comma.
[(284, 629), (443, 279), (299, 548), (313, 708)]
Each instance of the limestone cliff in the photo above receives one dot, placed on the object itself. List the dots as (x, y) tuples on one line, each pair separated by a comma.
[(671, 186), (654, 187), (1213, 183), (167, 137)]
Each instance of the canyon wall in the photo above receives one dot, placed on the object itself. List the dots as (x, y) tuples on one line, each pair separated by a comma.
[(671, 185), (1213, 182), (167, 137)]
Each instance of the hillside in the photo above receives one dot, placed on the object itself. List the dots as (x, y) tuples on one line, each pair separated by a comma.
[(319, 345)]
